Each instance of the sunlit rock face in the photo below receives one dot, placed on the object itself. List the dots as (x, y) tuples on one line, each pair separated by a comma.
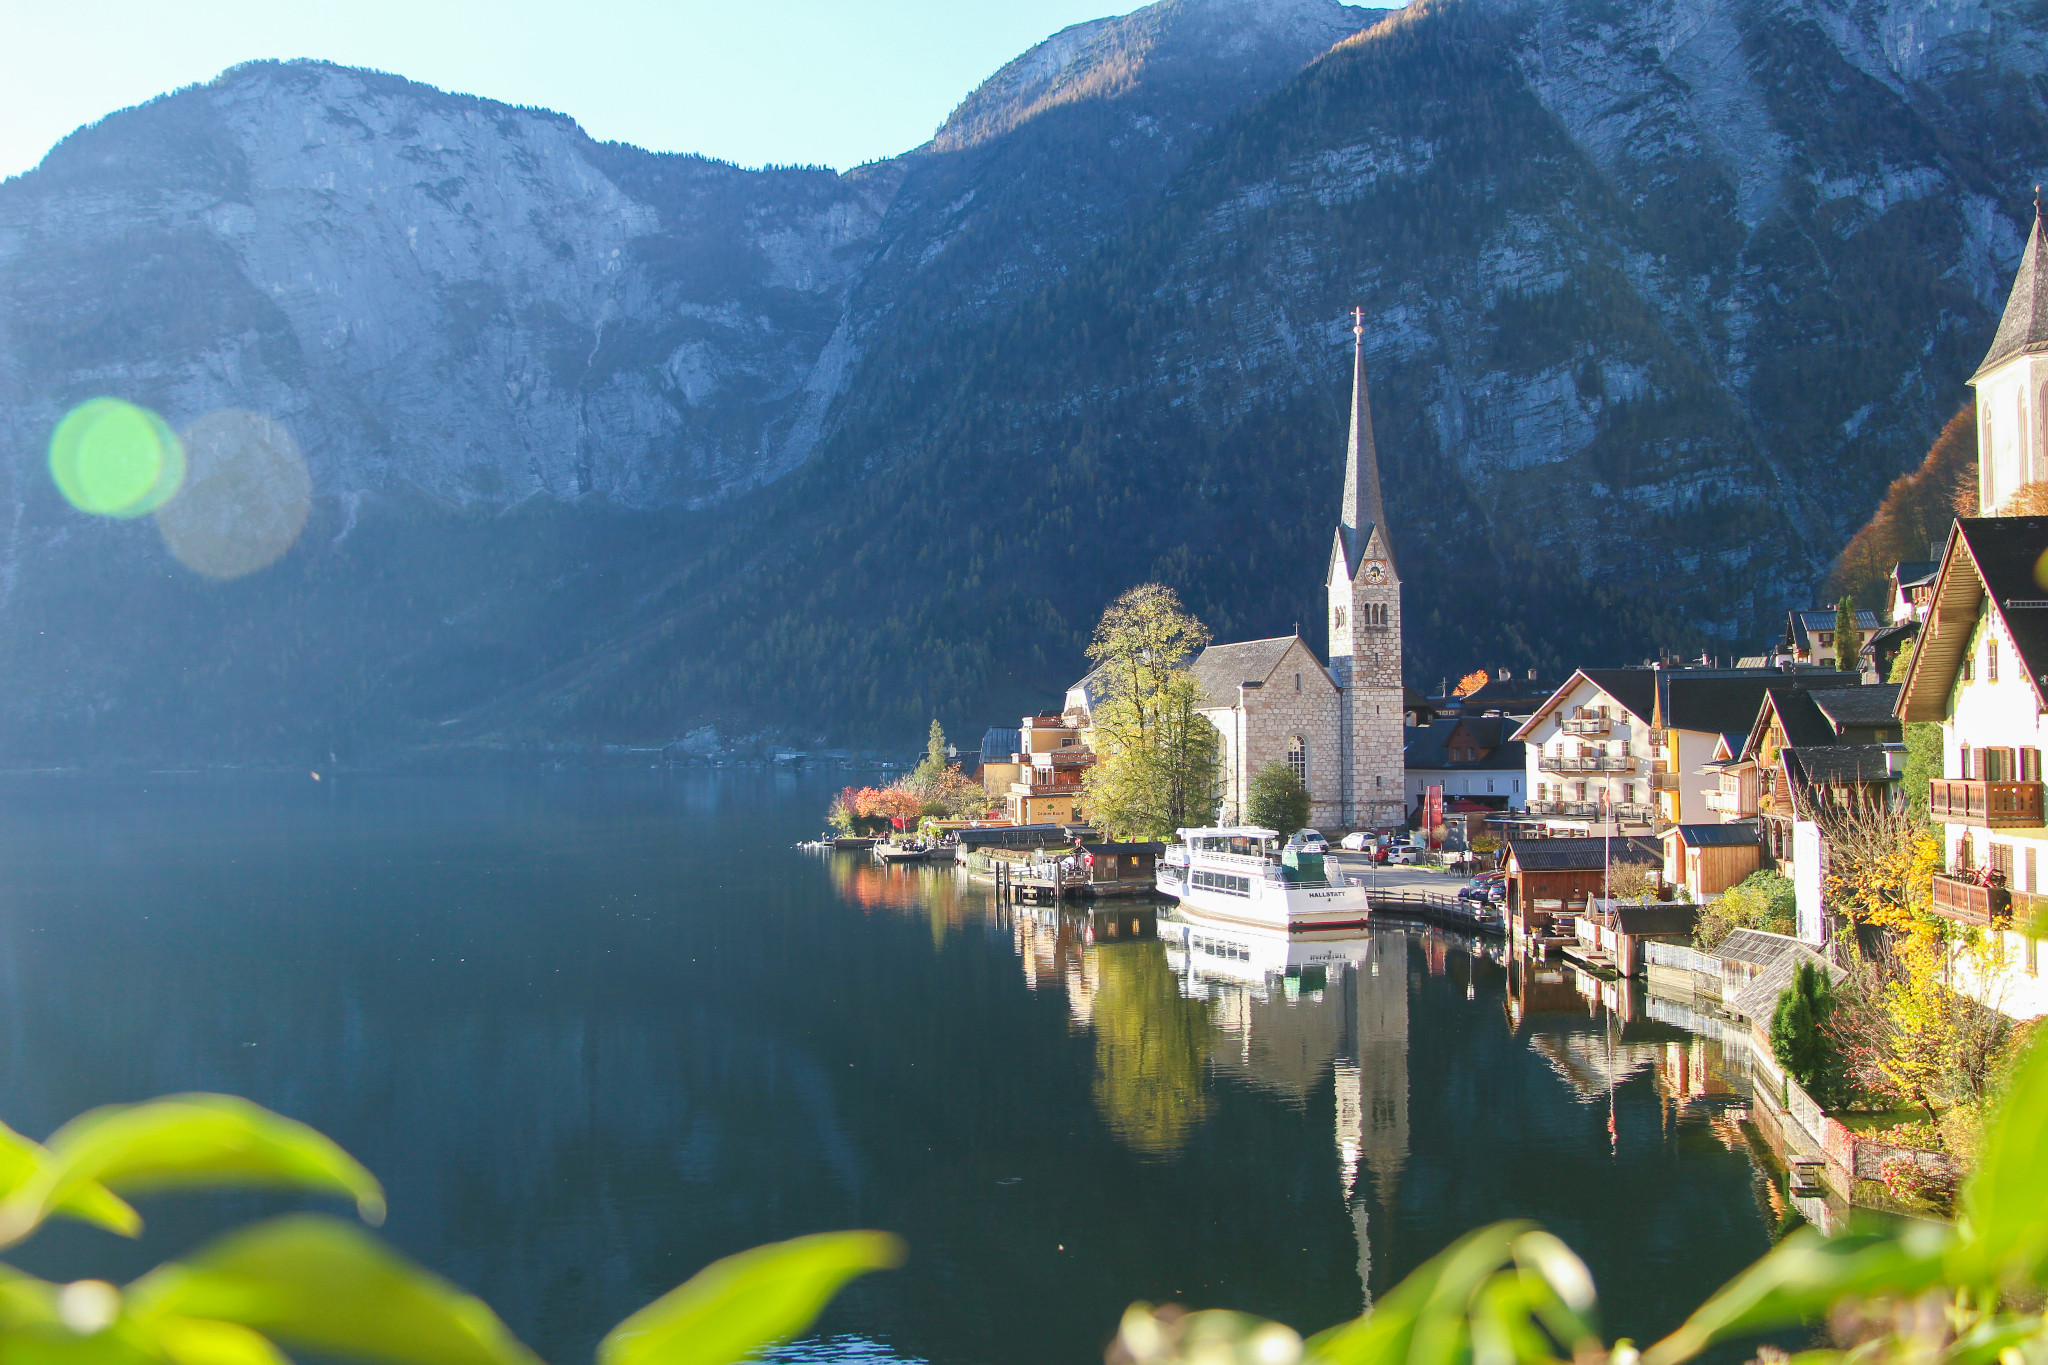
[(604, 444), (436, 292)]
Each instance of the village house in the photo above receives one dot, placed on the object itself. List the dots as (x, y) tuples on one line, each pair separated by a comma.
[(1706, 860), (1587, 751), (1912, 589), (1807, 749), (1050, 760), (1550, 880), (1697, 714), (1473, 758), (1981, 672), (1810, 636), (1616, 930)]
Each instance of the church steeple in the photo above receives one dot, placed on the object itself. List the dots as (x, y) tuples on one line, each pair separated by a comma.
[(1363, 510), (2025, 324)]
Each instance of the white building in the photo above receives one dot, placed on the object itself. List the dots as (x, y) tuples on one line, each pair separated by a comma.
[(1589, 743), (2012, 384), (1981, 672)]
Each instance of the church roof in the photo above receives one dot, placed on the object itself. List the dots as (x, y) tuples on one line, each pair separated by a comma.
[(1220, 668), (2024, 327)]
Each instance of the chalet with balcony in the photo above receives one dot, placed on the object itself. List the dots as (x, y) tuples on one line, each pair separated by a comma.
[(1474, 758), (1694, 711), (1981, 673), (1050, 760), (1586, 751)]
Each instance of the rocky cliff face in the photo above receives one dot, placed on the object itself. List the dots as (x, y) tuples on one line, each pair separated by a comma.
[(1660, 297)]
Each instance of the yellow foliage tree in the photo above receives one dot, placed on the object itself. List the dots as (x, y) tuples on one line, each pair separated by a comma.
[(1151, 1049), (1470, 683)]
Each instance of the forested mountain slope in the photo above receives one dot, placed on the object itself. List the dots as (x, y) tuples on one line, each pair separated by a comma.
[(1659, 300)]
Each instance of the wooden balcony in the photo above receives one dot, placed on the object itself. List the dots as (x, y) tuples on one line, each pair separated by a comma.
[(1075, 757), (1664, 782), (1988, 805), (1588, 725), (1968, 903), (1730, 803)]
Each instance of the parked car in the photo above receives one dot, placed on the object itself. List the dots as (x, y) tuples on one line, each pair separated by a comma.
[(1358, 841), (1308, 841), (1404, 853), (1481, 887)]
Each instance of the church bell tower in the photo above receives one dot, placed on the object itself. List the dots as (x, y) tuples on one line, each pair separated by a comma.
[(1365, 625)]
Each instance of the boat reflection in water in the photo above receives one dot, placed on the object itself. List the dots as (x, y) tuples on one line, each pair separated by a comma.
[(1300, 1010), (1191, 1015)]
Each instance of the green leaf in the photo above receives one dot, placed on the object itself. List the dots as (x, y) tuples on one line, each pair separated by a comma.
[(1425, 1319), (1800, 1277), (329, 1287), (184, 1142), (207, 1341), (89, 1203), (745, 1303), (2005, 1204)]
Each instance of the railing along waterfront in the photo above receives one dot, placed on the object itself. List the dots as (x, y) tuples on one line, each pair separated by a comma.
[(1991, 805)]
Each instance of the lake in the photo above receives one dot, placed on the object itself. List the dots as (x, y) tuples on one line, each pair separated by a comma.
[(595, 1030)]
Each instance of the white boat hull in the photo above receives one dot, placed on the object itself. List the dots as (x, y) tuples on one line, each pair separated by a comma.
[(1269, 905)]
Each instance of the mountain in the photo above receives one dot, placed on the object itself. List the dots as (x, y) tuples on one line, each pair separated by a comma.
[(605, 445)]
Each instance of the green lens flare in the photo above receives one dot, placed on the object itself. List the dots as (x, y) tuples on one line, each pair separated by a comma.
[(113, 459)]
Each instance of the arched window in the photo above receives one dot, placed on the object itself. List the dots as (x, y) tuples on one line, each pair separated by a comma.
[(1338, 619), (1297, 759)]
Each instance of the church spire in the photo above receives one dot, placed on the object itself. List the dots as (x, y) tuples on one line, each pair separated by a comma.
[(2024, 327), (1362, 507)]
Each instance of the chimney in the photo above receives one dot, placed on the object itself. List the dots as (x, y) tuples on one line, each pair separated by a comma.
[(1505, 675), (1532, 675)]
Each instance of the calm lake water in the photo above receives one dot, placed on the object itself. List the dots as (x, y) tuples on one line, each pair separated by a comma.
[(595, 1031)]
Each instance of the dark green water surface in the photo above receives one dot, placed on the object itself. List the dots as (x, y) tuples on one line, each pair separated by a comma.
[(594, 1031)]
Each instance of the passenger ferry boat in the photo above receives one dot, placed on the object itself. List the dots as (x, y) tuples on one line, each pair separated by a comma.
[(1240, 875)]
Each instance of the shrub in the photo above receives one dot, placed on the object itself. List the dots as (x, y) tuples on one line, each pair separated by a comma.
[(1762, 900), (1277, 799)]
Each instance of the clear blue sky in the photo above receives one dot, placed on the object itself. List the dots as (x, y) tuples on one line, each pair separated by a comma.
[(751, 82)]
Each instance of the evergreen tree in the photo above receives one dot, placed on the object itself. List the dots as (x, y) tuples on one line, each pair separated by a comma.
[(1848, 642), (1800, 1039), (1277, 799)]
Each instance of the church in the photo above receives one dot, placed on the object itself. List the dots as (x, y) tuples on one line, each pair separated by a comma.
[(1338, 726)]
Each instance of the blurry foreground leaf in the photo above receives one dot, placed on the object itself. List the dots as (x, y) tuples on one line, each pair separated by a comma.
[(1170, 1335), (748, 1302), (2004, 1206), (325, 1286), (1508, 1292), (204, 1341), (90, 1203), (1801, 1277), (184, 1142)]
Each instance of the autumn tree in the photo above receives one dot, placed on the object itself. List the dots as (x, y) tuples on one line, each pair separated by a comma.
[(1470, 683), (1156, 755)]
